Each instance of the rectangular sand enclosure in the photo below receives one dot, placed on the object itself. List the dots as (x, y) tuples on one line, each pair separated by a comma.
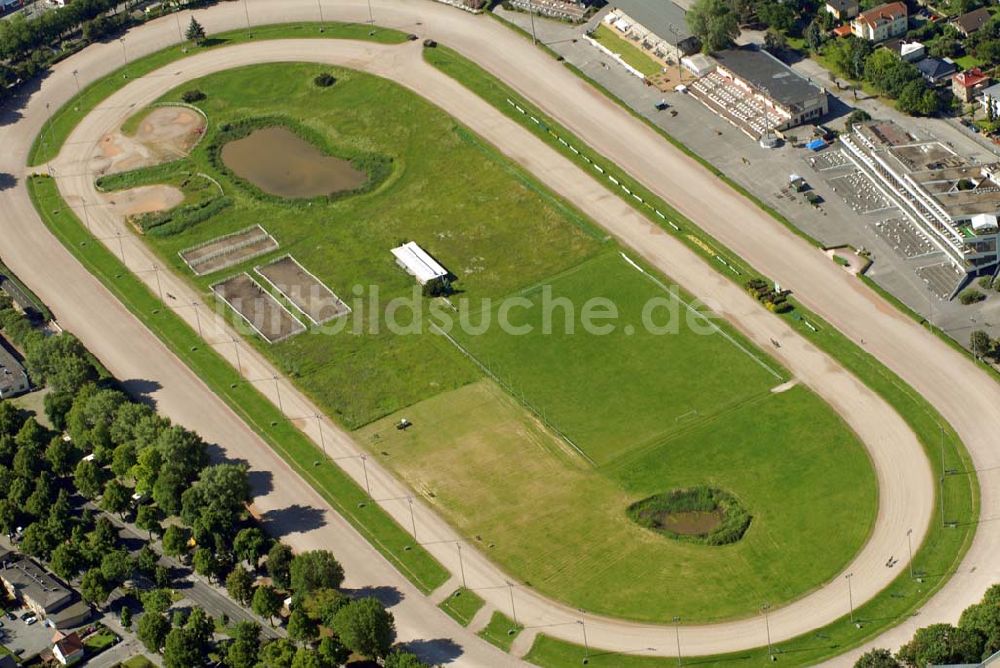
[(304, 290), (258, 307), (227, 250)]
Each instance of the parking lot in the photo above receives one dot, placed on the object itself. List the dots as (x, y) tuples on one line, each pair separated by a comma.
[(23, 639)]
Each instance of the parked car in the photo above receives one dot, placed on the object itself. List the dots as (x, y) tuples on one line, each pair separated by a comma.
[(31, 620)]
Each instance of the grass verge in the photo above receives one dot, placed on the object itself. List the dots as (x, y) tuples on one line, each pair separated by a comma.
[(950, 534), (335, 486), (462, 605), (501, 631)]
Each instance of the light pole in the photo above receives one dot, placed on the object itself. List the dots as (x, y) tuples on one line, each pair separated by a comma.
[(413, 520), (850, 594), (277, 391), (180, 35), (513, 610), (909, 545), (586, 645), (531, 14), (319, 4), (941, 490), (322, 436), (76, 77), (159, 288), (246, 10), (677, 635), (371, 19), (767, 629), (364, 467), (121, 248), (197, 318), (124, 57), (236, 347), (461, 565)]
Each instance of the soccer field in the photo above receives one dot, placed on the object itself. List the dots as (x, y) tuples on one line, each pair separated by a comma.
[(631, 387)]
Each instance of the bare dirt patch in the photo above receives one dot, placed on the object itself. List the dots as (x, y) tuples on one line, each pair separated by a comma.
[(144, 199), (228, 250), (167, 133), (303, 289), (258, 308)]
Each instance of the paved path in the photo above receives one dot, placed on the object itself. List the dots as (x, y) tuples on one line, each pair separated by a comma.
[(967, 398)]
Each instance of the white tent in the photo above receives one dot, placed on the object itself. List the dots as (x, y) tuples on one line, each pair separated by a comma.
[(418, 263)]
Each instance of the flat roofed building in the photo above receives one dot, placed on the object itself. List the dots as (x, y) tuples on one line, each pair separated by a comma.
[(658, 27), (843, 9), (418, 263), (33, 585), (13, 377), (795, 98), (881, 23)]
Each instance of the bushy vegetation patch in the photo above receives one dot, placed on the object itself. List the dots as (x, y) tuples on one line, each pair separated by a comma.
[(656, 512), (325, 80), (377, 167)]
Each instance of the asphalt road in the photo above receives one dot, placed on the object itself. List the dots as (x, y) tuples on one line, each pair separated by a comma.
[(966, 397)]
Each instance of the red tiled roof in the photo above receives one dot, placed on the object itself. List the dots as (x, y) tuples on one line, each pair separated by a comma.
[(889, 12), (842, 31), (970, 78)]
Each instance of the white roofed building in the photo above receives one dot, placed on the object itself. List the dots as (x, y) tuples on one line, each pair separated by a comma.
[(416, 261)]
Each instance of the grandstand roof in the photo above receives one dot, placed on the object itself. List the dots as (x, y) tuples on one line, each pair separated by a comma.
[(663, 17), (768, 74)]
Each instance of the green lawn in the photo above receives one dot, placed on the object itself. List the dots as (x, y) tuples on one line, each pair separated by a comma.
[(655, 372), (462, 605), (100, 641), (501, 631), (138, 661), (629, 52), (484, 220), (559, 525)]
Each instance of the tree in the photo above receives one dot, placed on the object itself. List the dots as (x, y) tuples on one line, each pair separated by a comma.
[(775, 41), (62, 456), (306, 658), (216, 502), (37, 541), (322, 604), (152, 630), (984, 618), (146, 560), (9, 515), (181, 650), (88, 479), (195, 32), (156, 601), (941, 644), (278, 653), (205, 563), (148, 518), (300, 627), (175, 540), (250, 545), (980, 344), (266, 602), (365, 627), (239, 585), (317, 569), (116, 567), (814, 36), (66, 560), (279, 565), (875, 658), (126, 617), (332, 652), (94, 587), (401, 659), (116, 498), (714, 23), (245, 648), (61, 516), (200, 627)]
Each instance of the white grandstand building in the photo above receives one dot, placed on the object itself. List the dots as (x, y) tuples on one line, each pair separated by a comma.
[(954, 203)]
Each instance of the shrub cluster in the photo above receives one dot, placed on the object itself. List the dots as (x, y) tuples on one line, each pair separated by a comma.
[(192, 96), (774, 300), (649, 513), (325, 80), (971, 296), (178, 219)]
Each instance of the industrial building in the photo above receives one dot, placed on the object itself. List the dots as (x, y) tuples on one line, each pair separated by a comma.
[(13, 377), (955, 204)]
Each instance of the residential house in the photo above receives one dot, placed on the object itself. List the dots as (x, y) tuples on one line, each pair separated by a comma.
[(936, 70), (881, 23), (967, 85), (911, 52), (969, 23), (843, 9), (67, 649)]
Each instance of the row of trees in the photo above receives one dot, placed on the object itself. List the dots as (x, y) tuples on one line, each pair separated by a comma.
[(976, 637)]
